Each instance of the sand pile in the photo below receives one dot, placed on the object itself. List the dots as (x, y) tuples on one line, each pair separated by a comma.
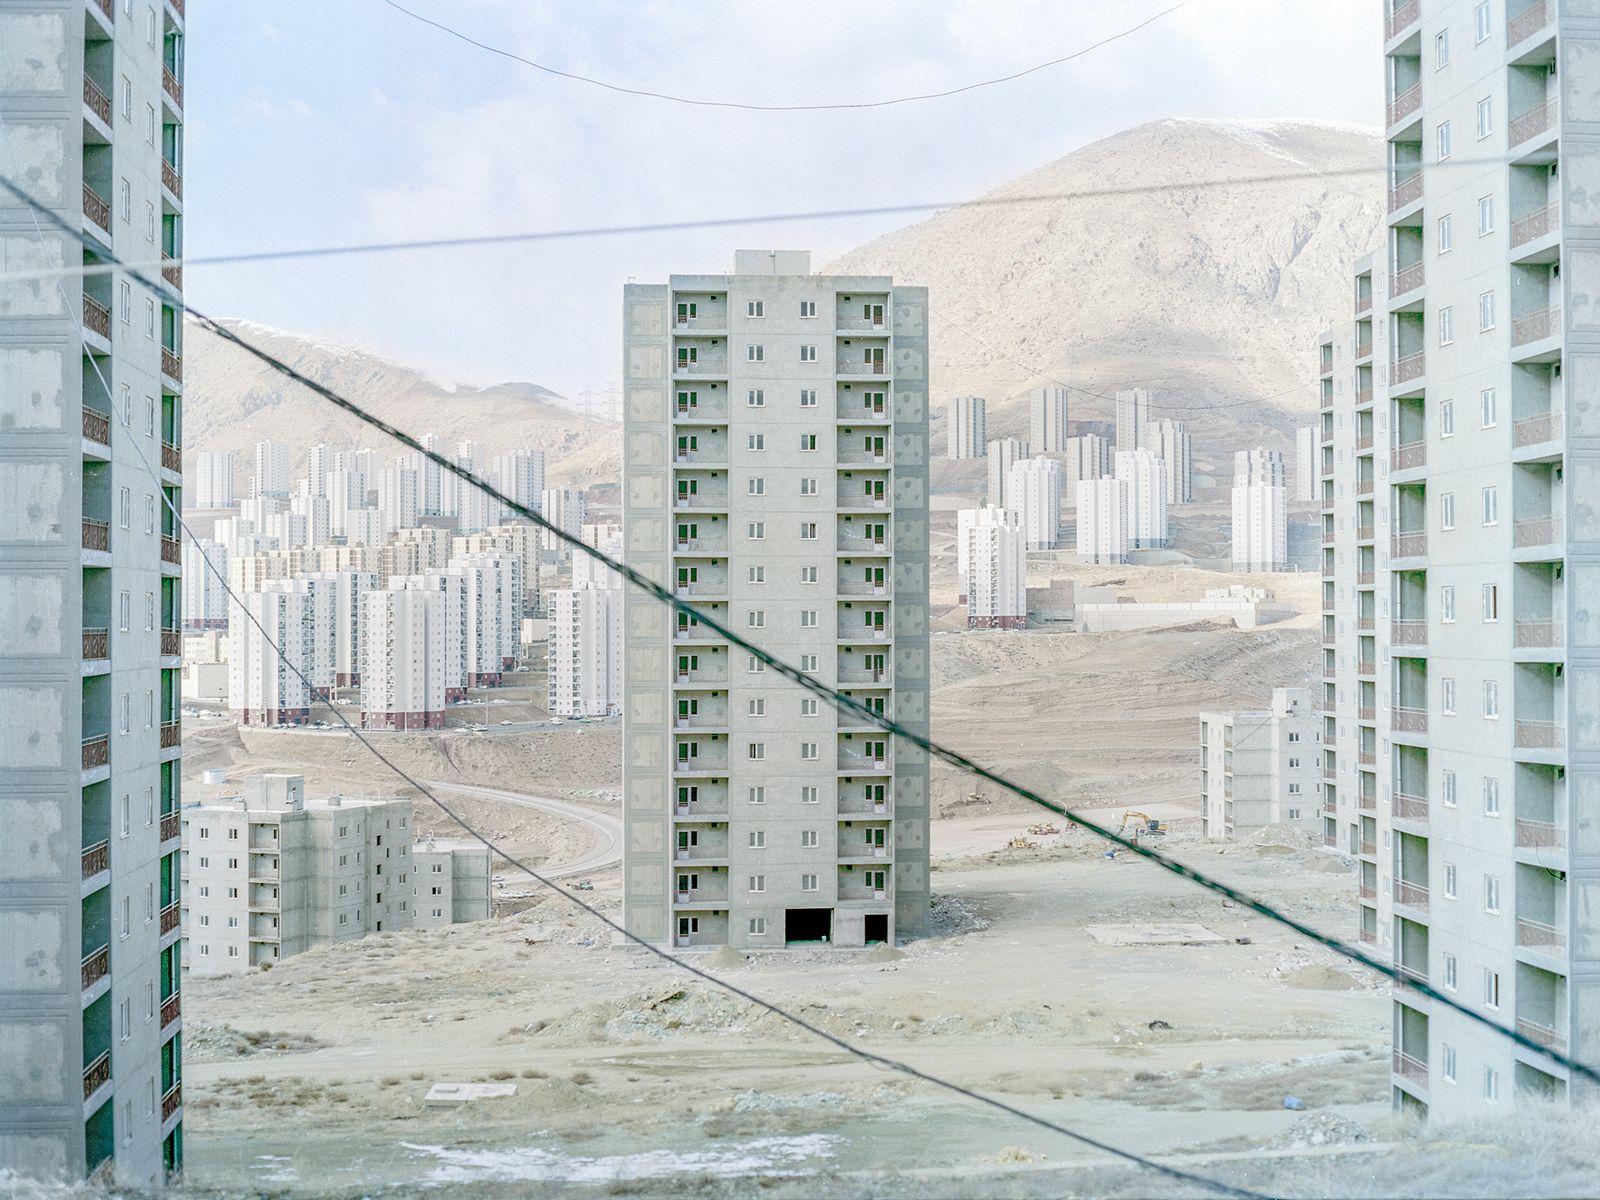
[(724, 958), (883, 953), (1321, 977)]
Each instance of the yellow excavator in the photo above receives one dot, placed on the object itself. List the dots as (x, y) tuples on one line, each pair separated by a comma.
[(1143, 825)]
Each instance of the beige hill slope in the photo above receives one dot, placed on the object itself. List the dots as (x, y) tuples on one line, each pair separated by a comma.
[(1208, 291), (232, 400)]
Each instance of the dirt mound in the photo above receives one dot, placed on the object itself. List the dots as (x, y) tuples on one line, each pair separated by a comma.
[(724, 958), (1281, 835), (1320, 1129), (883, 953), (1321, 977)]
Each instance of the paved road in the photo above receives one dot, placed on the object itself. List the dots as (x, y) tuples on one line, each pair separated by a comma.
[(607, 830)]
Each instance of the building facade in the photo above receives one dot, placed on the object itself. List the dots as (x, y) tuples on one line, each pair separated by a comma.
[(585, 652), (91, 402), (1103, 525), (1003, 454), (1085, 457), (994, 554), (775, 475), (1146, 478), (1262, 768), (213, 477), (968, 433), (1170, 439), (1260, 532), (411, 664), (1133, 419), (1034, 491), (1047, 419)]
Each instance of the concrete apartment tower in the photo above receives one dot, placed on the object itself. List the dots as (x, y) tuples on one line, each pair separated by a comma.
[(1034, 492), (1462, 549), (1047, 419), (1003, 454), (1171, 441), (994, 567), (1305, 465), (1261, 768), (1085, 457), (1260, 534), (1133, 419), (213, 474), (272, 470), (775, 474), (968, 418), (1104, 524), (90, 1068), (1146, 477)]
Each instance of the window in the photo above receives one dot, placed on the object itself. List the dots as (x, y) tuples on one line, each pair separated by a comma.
[(1491, 797), (1447, 788), (150, 27), (205, 833), (755, 441), (808, 663), (1485, 311), (808, 397), (1447, 604), (755, 486), (756, 398), (808, 531), (1294, 789), (1491, 510), (1487, 407), (808, 308), (1491, 602), (808, 618), (756, 751), (808, 794), (122, 611), (756, 618), (127, 404), (124, 723), (754, 666), (758, 883), (1442, 141), (125, 823), (808, 751), (149, 318), (1491, 988), (808, 706), (1485, 117), (808, 487), (808, 441), (1447, 418), (127, 99), (1447, 511), (1450, 971), (1447, 1062), (756, 708), (1447, 696), (149, 416), (1294, 814), (808, 354), (1491, 1081), (808, 574), (757, 574), (756, 795), (755, 352), (1485, 215), (149, 806), (1491, 700), (1449, 881), (758, 839), (125, 310), (808, 839), (1447, 325), (758, 926), (755, 308), (1441, 49), (1480, 20), (149, 221), (127, 916), (125, 1018), (125, 200), (1446, 234), (808, 883), (149, 513), (150, 124), (756, 531)]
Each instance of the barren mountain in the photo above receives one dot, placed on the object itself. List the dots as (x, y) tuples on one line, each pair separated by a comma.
[(233, 400), (1213, 255)]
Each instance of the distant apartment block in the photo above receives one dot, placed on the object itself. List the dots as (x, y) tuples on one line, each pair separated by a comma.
[(1047, 419), (1084, 457), (287, 621), (994, 553), (567, 510), (1145, 475), (213, 476), (1170, 439), (1133, 419), (1259, 466), (776, 459), (519, 476), (411, 658), (1034, 491), (205, 592), (1262, 768), (1305, 464), (271, 477), (1003, 454), (1260, 532), (585, 652), (1103, 524), (451, 882), (968, 424)]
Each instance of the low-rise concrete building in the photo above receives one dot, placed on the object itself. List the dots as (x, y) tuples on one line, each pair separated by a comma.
[(450, 882), (1261, 768)]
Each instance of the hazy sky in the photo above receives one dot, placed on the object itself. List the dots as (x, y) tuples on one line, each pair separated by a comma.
[(319, 122)]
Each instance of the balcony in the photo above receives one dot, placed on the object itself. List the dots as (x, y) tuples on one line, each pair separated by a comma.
[(96, 644), (1364, 347), (1408, 633), (1363, 304), (171, 642), (1544, 1035), (1409, 545), (171, 550), (1364, 395), (96, 1075), (171, 827), (171, 458), (1540, 735), (96, 101), (1536, 935), (1411, 894), (171, 365), (171, 86), (1412, 366), (96, 966), (105, 7), (1367, 667), (97, 860), (1536, 430), (97, 319), (1531, 124), (1366, 578), (1366, 533), (1412, 1070), (1408, 720), (1406, 280), (1401, 18), (1536, 326), (170, 916), (171, 180), (1527, 23), (1402, 106), (171, 1010), (171, 1102), (1408, 457), (1537, 531), (1540, 835), (1539, 635), (97, 425), (96, 752), (1408, 191), (96, 209), (1406, 807), (171, 734), (172, 272), (1368, 849), (1541, 222)]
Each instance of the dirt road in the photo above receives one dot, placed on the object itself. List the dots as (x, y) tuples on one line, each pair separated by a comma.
[(605, 848)]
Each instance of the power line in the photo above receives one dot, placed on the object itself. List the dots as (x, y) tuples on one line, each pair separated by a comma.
[(737, 104), (838, 699)]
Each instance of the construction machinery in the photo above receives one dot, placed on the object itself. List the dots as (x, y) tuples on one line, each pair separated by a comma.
[(1143, 825)]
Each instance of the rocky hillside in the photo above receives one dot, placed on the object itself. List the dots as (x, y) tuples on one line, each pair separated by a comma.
[(233, 400), (1206, 276)]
